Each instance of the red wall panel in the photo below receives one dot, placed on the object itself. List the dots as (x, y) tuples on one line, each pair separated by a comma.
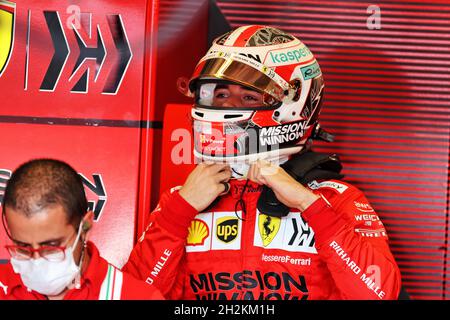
[(177, 157), (182, 35), (81, 147), (74, 90), (23, 78)]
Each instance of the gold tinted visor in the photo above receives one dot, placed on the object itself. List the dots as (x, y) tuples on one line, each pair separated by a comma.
[(264, 80)]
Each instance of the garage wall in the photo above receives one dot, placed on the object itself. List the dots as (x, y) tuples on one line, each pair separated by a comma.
[(386, 66), (72, 88)]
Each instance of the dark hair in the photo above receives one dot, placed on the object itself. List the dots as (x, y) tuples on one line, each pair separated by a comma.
[(42, 183)]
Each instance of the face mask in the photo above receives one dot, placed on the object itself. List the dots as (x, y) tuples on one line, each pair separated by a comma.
[(48, 277)]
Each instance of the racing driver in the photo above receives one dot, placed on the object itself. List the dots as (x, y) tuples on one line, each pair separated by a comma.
[(262, 216)]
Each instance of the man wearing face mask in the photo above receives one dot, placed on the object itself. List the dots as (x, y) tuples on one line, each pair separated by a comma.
[(263, 216), (45, 215)]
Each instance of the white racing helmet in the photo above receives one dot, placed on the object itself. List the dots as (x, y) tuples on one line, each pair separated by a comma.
[(288, 80)]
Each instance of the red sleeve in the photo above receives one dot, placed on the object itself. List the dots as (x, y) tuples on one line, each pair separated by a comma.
[(133, 289), (158, 256), (352, 241)]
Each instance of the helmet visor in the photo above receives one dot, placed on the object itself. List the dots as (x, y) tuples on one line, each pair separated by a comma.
[(251, 74), (220, 94)]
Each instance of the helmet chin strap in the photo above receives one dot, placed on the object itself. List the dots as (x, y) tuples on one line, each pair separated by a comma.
[(239, 170)]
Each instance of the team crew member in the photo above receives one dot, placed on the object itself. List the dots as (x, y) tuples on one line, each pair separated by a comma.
[(263, 216), (45, 214)]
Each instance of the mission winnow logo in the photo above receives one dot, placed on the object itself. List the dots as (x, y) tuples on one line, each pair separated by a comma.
[(281, 134)]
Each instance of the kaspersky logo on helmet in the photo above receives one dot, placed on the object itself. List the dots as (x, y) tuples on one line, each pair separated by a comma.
[(7, 21), (286, 56)]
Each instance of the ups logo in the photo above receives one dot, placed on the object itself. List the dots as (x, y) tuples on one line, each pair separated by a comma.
[(227, 229), (7, 19)]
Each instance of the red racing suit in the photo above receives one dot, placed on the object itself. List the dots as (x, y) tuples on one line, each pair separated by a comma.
[(336, 249), (101, 281)]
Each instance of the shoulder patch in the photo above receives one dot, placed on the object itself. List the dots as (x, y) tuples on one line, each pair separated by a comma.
[(111, 288), (339, 187)]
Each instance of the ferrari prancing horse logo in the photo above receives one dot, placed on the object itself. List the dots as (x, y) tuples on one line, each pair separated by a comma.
[(7, 17), (268, 228)]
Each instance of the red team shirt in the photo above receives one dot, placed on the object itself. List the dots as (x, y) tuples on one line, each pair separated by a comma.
[(101, 281), (336, 249)]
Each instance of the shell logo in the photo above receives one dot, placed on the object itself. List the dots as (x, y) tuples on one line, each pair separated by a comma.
[(197, 233)]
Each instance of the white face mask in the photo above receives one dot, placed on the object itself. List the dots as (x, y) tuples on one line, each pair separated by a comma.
[(48, 277)]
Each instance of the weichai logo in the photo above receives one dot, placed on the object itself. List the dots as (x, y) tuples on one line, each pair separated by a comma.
[(248, 285), (7, 21), (197, 233), (227, 229)]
